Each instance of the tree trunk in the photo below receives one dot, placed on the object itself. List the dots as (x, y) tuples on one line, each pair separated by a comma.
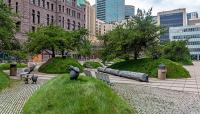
[(53, 53), (62, 52), (135, 55)]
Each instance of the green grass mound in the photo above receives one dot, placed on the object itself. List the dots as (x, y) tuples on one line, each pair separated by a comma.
[(150, 66), (6, 66), (84, 96), (4, 80), (59, 65), (92, 64)]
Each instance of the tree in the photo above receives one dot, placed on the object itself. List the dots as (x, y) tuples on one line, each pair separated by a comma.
[(132, 38), (80, 42), (7, 27), (177, 51), (55, 38), (48, 37)]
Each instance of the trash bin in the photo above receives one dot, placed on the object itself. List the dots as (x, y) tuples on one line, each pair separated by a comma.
[(162, 72), (13, 69)]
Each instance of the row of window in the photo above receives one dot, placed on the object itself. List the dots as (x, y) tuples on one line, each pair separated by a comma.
[(50, 20), (193, 43), (191, 29), (69, 12), (194, 50), (187, 36)]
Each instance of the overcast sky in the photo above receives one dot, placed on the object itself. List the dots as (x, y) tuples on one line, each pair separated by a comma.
[(163, 5)]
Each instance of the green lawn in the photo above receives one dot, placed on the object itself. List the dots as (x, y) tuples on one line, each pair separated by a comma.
[(92, 64), (4, 80), (150, 66), (59, 65), (85, 96), (6, 66)]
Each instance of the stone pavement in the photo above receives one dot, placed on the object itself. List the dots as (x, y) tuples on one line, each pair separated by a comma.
[(13, 99), (191, 85), (150, 100)]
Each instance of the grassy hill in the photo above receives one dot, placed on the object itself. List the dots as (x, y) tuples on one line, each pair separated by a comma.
[(84, 96), (150, 66), (92, 64), (59, 65)]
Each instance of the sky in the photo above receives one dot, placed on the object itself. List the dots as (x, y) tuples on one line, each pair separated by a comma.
[(163, 5)]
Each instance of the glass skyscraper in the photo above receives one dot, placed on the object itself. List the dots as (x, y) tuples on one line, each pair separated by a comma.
[(129, 11), (110, 10), (173, 18)]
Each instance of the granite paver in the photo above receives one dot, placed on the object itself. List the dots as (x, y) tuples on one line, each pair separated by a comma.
[(148, 100)]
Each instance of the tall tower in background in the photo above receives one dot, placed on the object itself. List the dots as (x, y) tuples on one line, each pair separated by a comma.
[(129, 11), (172, 18), (110, 10)]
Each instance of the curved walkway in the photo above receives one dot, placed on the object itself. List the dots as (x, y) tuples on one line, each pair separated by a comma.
[(13, 99), (190, 85), (171, 96)]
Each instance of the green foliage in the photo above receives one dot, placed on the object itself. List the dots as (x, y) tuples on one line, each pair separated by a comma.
[(19, 55), (150, 67), (7, 27), (59, 65), (6, 66), (55, 38), (92, 64), (132, 38), (177, 51), (4, 80), (84, 96)]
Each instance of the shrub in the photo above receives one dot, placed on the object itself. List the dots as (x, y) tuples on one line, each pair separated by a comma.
[(178, 52), (92, 65), (6, 66)]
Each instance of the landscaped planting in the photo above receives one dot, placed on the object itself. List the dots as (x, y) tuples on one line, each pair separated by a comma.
[(4, 80), (6, 66), (150, 66), (92, 64), (59, 65), (84, 96)]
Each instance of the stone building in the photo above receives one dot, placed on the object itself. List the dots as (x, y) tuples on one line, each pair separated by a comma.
[(69, 14), (90, 23)]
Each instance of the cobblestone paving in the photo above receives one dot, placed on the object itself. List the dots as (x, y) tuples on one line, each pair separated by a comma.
[(13, 99), (148, 100)]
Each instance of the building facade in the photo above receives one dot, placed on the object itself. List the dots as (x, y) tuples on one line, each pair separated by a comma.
[(189, 33), (90, 23), (129, 11), (194, 21), (69, 14), (192, 15), (173, 18), (110, 11)]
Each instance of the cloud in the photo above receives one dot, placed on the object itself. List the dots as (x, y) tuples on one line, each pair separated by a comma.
[(164, 5)]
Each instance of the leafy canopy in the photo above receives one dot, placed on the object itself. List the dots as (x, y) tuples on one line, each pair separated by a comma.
[(132, 38)]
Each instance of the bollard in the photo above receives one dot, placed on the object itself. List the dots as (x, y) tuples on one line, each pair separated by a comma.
[(162, 72)]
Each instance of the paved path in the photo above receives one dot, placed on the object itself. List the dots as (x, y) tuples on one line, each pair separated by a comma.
[(171, 96), (191, 85), (13, 99), (148, 100)]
